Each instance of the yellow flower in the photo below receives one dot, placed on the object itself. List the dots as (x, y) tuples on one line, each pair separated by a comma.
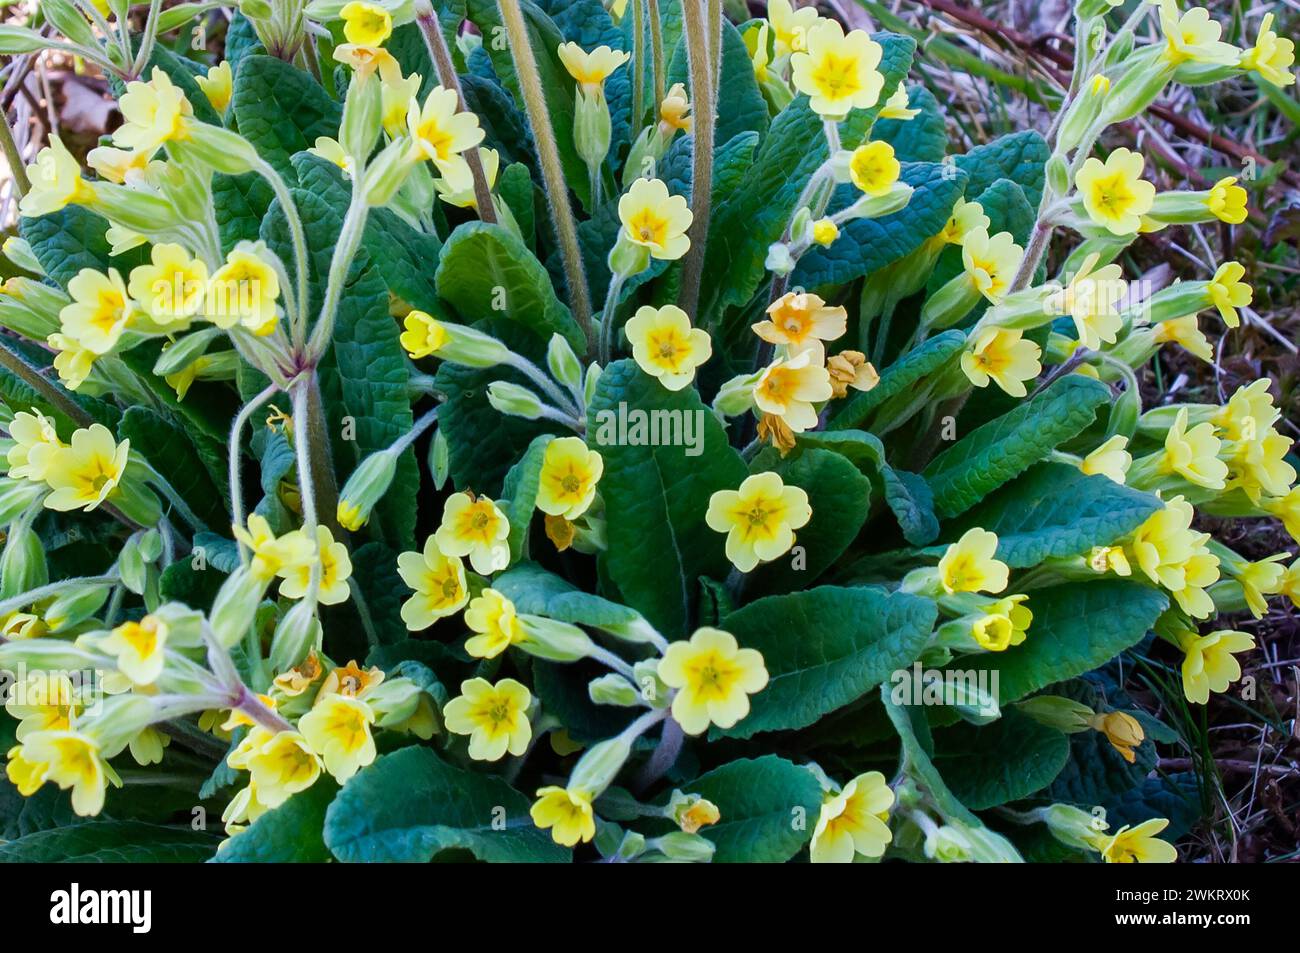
[(351, 681), (458, 191), (1193, 37), (1199, 573), (759, 518), (475, 528), (873, 168), (22, 625), (837, 72), (756, 45), (570, 472), (1290, 584), (243, 291), (1185, 332), (568, 814), (440, 134), (494, 716), (702, 813), (99, 312), (1271, 57), (218, 85), (84, 474), (1287, 509), (655, 220), (896, 106), (274, 556), (854, 821), (799, 320), (789, 387), (47, 702), (1227, 201), (674, 110), (1227, 292), (338, 728), (395, 99), (1004, 356), (34, 442), (1114, 193), (1260, 466), (439, 584), (302, 676), (423, 335), (1174, 556), (1092, 299), (1020, 616), (173, 287), (714, 678), (1259, 580), (992, 632), (969, 565), (71, 760), (966, 217), (1122, 730), (1111, 459), (790, 26), (331, 150), (367, 60), (119, 165), (153, 113), (824, 232), (990, 262), (591, 69), (665, 346), (281, 764), (366, 24), (56, 182), (140, 649), (850, 369), (25, 775), (493, 617), (1138, 845), (335, 568), (1194, 454)]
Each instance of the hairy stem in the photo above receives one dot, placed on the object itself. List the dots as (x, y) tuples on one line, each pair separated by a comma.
[(638, 65), (13, 156), (657, 50), (148, 39), (13, 362), (548, 154), (235, 453), (299, 239), (436, 43), (702, 106)]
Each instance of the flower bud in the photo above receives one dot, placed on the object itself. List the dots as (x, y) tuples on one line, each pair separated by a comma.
[(591, 128), (878, 206), (69, 21), (297, 634), (16, 496), (235, 606), (552, 640), (1078, 123), (222, 149), (184, 352), (613, 689), (394, 701), (687, 848), (362, 118), (651, 687), (691, 812), (1138, 87), (136, 501), (1063, 714), (256, 9), (139, 211), (1181, 208), (465, 345), (1058, 174), (590, 381), (77, 604), (120, 718), (627, 258), (948, 845), (632, 846), (987, 846), (365, 487), (779, 261), (950, 303), (514, 399), (1072, 826), (563, 363), (736, 396), (439, 459), (597, 768), (386, 174), (22, 565), (131, 564), (50, 655)]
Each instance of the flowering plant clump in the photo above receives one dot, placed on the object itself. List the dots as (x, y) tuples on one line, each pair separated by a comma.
[(549, 432)]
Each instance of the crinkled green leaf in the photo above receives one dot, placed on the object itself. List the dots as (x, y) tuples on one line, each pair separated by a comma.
[(111, 842), (292, 833), (1018, 156), (900, 376), (924, 137), (741, 107), (769, 808), (1006, 760), (281, 110)]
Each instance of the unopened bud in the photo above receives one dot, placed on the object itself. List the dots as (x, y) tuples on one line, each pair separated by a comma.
[(596, 770), (22, 565), (514, 399), (298, 633), (552, 640), (77, 604), (613, 689), (365, 487), (683, 847), (235, 606), (1055, 711), (563, 363)]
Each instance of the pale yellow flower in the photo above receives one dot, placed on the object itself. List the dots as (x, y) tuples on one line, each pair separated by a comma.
[(665, 346), (366, 24), (440, 133), (1193, 37), (84, 474), (1110, 460), (335, 570), (570, 472), (173, 287), (274, 556), (243, 291), (493, 617), (475, 528), (139, 647), (591, 69), (1004, 356), (1227, 292), (654, 219), (1227, 201), (494, 716), (873, 168), (1114, 193), (439, 584), (790, 26), (34, 442), (338, 729), (1194, 454), (854, 821), (970, 564), (72, 761), (153, 113), (218, 85), (990, 262), (281, 764), (568, 815), (896, 105), (99, 312), (1272, 56), (789, 387), (714, 678), (331, 150), (966, 217), (759, 518), (1209, 664), (56, 182), (1186, 333), (1092, 299), (837, 71)]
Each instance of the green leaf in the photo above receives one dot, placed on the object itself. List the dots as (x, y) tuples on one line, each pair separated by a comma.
[(292, 833), (769, 807), (1002, 449), (870, 244), (825, 648), (1006, 760), (1056, 510), (656, 496), (740, 105), (66, 241), (1019, 156), (838, 493), (519, 494), (1008, 209), (923, 138), (110, 842), (486, 270), (900, 376), (1175, 797), (240, 202), (410, 806), (169, 449), (1077, 626), (907, 495), (281, 110)]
